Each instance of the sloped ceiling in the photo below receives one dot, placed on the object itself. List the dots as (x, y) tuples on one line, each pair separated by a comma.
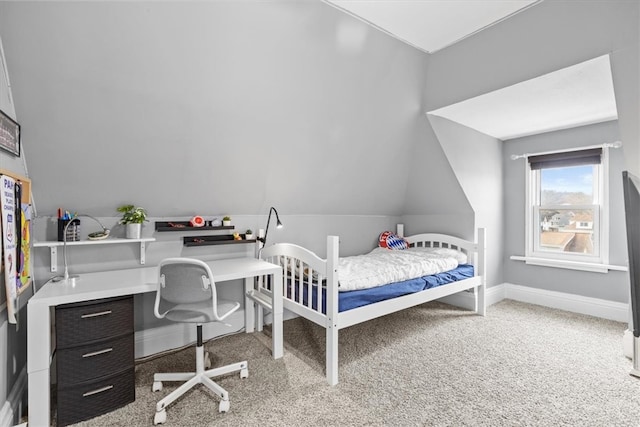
[(574, 96), (210, 108), (431, 25)]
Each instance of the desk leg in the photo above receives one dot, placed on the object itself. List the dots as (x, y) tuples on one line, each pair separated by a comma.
[(38, 353), (277, 329), (260, 316), (38, 390), (249, 307)]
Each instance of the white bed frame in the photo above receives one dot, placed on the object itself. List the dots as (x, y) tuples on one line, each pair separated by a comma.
[(297, 257)]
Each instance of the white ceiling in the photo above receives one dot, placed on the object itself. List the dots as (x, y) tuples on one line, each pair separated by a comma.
[(431, 25), (574, 96)]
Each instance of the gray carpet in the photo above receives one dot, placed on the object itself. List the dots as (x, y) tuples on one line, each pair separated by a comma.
[(432, 365)]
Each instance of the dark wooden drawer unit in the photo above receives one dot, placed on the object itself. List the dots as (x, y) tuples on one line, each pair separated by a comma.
[(94, 358)]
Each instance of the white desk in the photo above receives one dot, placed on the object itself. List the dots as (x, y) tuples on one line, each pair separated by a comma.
[(91, 286)]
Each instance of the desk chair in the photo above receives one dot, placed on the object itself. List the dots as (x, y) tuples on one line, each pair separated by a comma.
[(187, 293)]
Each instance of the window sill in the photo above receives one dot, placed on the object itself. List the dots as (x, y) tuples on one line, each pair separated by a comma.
[(571, 265)]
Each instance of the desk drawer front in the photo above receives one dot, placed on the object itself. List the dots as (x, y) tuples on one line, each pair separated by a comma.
[(82, 323), (91, 399), (82, 363)]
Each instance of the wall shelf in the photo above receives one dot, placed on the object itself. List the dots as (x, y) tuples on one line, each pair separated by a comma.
[(226, 239), (53, 246), (186, 226)]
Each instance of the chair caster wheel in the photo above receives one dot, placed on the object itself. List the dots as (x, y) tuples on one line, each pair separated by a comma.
[(160, 417), (157, 386), (224, 406), (244, 373)]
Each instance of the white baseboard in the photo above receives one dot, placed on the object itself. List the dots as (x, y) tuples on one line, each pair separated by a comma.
[(569, 302), (11, 411), (466, 300)]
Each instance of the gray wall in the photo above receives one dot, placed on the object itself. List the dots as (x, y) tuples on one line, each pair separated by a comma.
[(434, 199), (614, 285), (477, 160), (212, 107), (12, 337)]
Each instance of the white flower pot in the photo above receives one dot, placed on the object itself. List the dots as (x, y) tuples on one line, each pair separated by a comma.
[(248, 236), (226, 223), (134, 231)]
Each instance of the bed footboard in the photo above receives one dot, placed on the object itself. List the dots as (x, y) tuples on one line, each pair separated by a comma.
[(309, 281), (310, 289)]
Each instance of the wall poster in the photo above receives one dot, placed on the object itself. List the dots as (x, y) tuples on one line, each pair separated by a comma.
[(8, 212), (15, 227)]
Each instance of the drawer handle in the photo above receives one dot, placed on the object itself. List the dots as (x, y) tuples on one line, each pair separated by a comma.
[(102, 313), (95, 353), (96, 391)]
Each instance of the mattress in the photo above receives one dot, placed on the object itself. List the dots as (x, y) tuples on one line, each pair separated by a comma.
[(352, 299)]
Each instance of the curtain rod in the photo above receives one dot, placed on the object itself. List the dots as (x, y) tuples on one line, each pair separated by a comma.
[(615, 144)]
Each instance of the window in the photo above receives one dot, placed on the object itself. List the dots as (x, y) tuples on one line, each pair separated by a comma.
[(567, 215)]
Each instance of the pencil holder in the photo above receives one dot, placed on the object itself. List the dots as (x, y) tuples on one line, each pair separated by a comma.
[(73, 230)]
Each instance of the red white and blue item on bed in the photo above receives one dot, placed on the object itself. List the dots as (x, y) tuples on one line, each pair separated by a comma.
[(391, 240)]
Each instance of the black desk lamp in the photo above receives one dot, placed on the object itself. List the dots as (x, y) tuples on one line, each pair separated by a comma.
[(99, 235), (263, 240)]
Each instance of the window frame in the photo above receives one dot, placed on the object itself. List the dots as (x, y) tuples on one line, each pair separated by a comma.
[(600, 223)]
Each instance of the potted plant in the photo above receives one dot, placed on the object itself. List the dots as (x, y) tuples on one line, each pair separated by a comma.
[(226, 221), (132, 218), (248, 235)]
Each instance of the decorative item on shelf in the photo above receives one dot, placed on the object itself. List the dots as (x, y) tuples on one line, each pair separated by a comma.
[(197, 221), (263, 240), (226, 221), (236, 236), (215, 222), (132, 218), (248, 234), (98, 235)]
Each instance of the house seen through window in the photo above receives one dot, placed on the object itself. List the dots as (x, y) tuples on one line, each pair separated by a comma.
[(566, 206)]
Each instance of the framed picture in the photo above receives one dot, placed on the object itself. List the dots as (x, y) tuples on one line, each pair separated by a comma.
[(9, 134)]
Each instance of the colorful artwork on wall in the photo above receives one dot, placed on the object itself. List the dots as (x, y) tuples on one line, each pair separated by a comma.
[(15, 227)]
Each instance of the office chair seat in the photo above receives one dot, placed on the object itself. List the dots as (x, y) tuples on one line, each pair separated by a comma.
[(187, 293)]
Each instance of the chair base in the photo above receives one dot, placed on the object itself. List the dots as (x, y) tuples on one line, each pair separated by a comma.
[(201, 376)]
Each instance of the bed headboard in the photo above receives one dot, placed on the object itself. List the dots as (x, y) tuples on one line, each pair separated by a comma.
[(436, 240)]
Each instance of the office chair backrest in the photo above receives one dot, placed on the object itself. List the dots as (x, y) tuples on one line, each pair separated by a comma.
[(185, 281)]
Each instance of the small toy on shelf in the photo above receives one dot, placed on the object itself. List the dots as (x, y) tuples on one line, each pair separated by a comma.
[(197, 221)]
